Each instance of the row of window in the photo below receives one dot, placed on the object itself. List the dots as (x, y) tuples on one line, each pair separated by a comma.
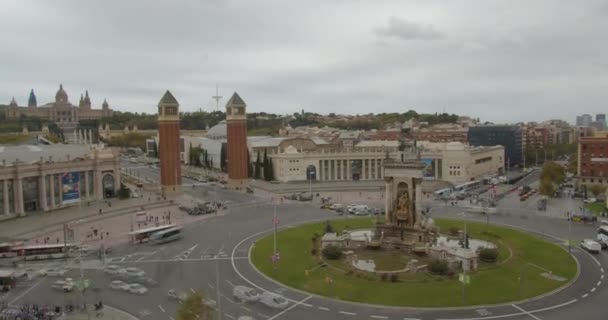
[(593, 180)]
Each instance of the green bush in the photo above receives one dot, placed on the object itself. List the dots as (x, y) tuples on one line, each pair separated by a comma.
[(384, 276), (394, 277), (438, 266), (313, 251), (332, 252), (453, 231), (488, 254)]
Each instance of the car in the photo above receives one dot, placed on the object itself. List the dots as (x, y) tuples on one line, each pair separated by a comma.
[(53, 272), (325, 206), (119, 285), (591, 246), (336, 206), (361, 212), (134, 272), (66, 285), (245, 294), (590, 200), (112, 269), (137, 288), (147, 281), (173, 295), (273, 300)]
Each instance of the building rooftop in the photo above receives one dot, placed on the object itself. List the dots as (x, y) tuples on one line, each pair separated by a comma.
[(377, 143), (32, 153)]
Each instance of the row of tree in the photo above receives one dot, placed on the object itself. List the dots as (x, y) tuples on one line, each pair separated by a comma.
[(263, 169)]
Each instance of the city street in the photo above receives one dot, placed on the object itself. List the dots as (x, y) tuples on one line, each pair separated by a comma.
[(212, 258)]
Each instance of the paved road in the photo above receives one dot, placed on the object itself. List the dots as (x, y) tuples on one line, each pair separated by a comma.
[(213, 254)]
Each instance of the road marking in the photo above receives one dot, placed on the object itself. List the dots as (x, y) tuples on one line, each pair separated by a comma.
[(602, 270), (585, 295), (348, 313), (307, 305), (602, 277), (243, 307), (526, 312), (592, 289), (323, 308), (140, 259), (171, 318), (210, 285), (230, 283), (599, 283), (291, 307), (192, 290), (411, 318), (25, 292), (229, 316), (161, 308), (263, 315), (379, 317)]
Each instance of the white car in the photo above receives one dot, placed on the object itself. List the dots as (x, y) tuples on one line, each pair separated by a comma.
[(134, 272), (53, 272), (336, 206), (172, 294), (591, 246), (245, 294), (66, 285), (112, 269), (137, 288), (119, 285), (273, 300), (360, 211)]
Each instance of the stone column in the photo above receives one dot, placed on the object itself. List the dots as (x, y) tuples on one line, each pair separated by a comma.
[(52, 189), (387, 198), (42, 187), (363, 169), (382, 169), (332, 170), (86, 185), (19, 196), (6, 208), (320, 169), (97, 187), (345, 169), (349, 172)]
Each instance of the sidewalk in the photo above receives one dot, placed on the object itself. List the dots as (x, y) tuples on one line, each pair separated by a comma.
[(34, 222), (107, 313)]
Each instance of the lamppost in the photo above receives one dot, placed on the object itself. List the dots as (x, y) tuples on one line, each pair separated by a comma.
[(464, 270)]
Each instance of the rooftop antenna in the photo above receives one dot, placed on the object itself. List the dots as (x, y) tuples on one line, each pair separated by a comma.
[(217, 98)]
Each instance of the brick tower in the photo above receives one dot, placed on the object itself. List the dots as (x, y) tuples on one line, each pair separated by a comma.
[(236, 123), (168, 140)]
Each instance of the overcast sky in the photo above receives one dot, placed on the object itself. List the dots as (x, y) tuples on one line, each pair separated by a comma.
[(502, 61)]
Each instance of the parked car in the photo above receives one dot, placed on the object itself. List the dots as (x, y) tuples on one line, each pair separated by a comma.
[(590, 200), (137, 288), (119, 285), (325, 206), (245, 294), (591, 246), (273, 300), (336, 206), (361, 211), (112, 269)]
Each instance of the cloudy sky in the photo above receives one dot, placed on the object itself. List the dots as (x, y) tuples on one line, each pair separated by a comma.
[(502, 61)]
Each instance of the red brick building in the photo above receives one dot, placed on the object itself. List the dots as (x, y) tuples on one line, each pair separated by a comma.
[(593, 160), (236, 124), (169, 143)]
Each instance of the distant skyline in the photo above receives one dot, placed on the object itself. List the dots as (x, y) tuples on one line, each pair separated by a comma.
[(500, 61)]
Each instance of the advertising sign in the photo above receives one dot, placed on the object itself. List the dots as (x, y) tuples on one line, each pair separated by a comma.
[(71, 187), (429, 169)]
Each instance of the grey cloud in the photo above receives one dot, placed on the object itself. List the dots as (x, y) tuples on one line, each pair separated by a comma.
[(407, 30)]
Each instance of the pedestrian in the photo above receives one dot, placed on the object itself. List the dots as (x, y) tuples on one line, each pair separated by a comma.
[(101, 236), (99, 210)]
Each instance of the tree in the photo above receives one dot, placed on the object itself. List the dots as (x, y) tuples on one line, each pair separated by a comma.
[(488, 254), (266, 167), (438, 266), (597, 189), (223, 159), (270, 170), (249, 166), (258, 167), (546, 187), (331, 252), (193, 308)]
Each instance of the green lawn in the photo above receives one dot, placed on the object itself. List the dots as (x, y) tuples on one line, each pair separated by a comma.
[(13, 138), (493, 283), (596, 208)]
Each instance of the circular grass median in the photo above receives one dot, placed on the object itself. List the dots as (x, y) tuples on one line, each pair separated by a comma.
[(521, 254)]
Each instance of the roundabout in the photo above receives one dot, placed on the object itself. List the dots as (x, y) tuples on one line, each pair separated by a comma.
[(527, 267)]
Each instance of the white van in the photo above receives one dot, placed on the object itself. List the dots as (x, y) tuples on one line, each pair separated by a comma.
[(591, 246)]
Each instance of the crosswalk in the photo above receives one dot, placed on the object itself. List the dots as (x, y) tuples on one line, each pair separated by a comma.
[(192, 252)]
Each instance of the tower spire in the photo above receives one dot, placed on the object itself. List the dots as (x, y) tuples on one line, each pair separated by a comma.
[(217, 98)]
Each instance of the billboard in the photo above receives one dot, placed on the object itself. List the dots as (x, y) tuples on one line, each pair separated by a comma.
[(429, 169), (70, 182)]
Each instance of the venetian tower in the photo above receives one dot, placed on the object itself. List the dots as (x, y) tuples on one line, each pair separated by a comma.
[(168, 141), (236, 124)]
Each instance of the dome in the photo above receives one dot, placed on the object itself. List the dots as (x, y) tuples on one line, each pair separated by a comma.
[(218, 131), (61, 95)]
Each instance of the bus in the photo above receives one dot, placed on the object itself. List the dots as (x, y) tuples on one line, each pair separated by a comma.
[(467, 186), (442, 193), (6, 251), (44, 251), (143, 235), (166, 235)]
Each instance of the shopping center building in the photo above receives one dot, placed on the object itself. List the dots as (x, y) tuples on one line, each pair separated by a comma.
[(41, 178)]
